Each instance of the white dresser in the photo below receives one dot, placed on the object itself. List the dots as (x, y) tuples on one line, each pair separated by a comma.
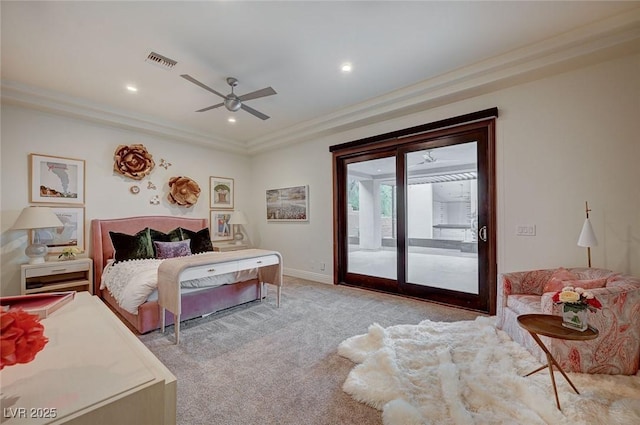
[(92, 371)]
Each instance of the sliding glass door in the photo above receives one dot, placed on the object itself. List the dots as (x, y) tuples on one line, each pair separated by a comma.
[(371, 210), (442, 217), (416, 218)]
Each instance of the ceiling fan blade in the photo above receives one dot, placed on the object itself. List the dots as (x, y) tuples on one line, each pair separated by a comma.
[(198, 83), (210, 107), (268, 91), (254, 112)]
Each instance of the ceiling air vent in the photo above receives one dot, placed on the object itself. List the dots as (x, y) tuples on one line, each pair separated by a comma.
[(161, 61)]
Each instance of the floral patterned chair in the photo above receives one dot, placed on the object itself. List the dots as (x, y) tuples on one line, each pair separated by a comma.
[(617, 348)]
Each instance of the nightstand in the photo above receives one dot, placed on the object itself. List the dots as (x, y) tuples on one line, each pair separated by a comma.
[(224, 247), (57, 276)]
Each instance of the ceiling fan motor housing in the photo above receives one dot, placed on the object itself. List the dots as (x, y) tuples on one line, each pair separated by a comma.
[(232, 103)]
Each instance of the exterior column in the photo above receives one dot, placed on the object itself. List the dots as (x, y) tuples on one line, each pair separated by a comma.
[(370, 231)]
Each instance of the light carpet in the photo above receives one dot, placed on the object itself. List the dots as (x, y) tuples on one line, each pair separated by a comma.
[(469, 372)]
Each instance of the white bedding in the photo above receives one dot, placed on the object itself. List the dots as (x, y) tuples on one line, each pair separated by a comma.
[(133, 282)]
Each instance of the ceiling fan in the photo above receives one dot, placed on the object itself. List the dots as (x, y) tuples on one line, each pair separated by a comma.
[(231, 101), (427, 158)]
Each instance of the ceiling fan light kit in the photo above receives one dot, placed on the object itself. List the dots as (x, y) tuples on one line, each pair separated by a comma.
[(233, 102)]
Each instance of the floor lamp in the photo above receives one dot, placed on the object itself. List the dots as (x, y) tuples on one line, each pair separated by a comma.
[(587, 237)]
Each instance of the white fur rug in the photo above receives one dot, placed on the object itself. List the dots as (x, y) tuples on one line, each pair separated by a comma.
[(471, 373)]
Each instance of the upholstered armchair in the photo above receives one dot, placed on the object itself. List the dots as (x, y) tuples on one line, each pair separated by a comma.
[(617, 348)]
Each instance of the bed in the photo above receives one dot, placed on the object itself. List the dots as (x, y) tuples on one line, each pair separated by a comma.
[(194, 303)]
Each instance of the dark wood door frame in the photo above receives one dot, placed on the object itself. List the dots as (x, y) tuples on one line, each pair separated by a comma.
[(391, 144)]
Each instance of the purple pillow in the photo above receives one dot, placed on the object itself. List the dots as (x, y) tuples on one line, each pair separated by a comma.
[(172, 249)]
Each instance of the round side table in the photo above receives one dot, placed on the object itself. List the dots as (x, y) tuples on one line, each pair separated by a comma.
[(551, 326)]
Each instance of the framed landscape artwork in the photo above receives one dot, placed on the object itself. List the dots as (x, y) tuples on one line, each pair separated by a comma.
[(221, 230), (56, 180), (71, 234), (288, 204), (221, 193)]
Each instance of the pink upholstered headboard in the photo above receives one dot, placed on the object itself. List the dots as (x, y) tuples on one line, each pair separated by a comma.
[(101, 242)]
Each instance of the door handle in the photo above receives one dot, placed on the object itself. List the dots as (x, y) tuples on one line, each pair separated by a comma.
[(482, 233)]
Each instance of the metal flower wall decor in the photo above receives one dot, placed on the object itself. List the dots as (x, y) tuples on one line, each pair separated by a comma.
[(183, 191), (133, 161)]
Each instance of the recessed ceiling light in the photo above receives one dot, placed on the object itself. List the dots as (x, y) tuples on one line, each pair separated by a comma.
[(132, 88), (231, 120), (346, 67)]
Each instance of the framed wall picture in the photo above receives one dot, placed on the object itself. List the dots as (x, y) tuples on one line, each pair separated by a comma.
[(71, 234), (221, 193), (288, 204), (56, 179), (219, 225)]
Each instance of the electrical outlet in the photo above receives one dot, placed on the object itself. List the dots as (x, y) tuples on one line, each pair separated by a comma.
[(322, 267), (526, 230)]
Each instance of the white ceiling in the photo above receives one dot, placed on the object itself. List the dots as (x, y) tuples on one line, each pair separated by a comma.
[(77, 58)]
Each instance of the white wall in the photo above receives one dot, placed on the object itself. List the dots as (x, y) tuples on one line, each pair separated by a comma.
[(561, 141), (307, 244), (26, 131)]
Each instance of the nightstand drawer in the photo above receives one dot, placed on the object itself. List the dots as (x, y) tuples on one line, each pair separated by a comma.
[(57, 276), (229, 247), (57, 268)]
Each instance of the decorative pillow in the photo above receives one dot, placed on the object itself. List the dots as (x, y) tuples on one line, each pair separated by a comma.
[(200, 241), (156, 235), (586, 283), (172, 249), (556, 282), (132, 247)]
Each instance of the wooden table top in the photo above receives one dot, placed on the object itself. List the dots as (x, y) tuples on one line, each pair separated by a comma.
[(551, 326)]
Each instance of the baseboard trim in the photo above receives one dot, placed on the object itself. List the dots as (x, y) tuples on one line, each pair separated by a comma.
[(303, 274)]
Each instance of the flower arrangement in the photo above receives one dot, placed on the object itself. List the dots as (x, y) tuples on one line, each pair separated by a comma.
[(21, 337), (577, 298), (575, 302), (69, 253)]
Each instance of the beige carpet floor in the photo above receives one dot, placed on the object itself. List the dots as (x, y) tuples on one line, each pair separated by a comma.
[(258, 364)]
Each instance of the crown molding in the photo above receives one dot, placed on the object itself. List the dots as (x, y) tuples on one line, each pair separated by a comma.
[(48, 101), (617, 35), (518, 66)]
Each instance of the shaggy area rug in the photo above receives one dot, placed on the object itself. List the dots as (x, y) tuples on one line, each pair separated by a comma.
[(469, 372)]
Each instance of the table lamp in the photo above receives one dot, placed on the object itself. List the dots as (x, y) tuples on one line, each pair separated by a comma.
[(238, 219), (36, 218), (587, 237)]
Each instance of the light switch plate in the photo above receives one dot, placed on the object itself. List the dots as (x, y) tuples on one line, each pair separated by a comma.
[(526, 230)]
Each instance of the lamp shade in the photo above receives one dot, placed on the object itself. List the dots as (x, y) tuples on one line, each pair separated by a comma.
[(587, 236), (37, 218), (238, 217)]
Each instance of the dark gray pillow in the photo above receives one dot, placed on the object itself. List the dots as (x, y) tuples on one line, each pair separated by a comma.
[(132, 247)]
